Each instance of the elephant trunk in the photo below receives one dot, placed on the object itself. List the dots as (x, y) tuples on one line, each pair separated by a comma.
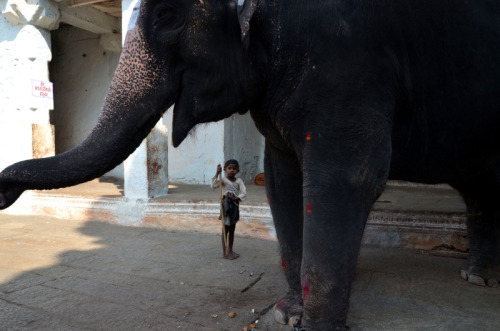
[(131, 109)]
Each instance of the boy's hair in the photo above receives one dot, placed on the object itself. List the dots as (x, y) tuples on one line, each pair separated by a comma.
[(232, 161)]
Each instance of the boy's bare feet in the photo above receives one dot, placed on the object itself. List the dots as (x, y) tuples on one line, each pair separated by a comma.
[(231, 256)]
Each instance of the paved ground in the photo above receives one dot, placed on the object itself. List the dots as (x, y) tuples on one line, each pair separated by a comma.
[(85, 275)]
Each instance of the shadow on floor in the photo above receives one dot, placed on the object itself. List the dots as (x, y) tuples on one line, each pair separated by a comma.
[(98, 276)]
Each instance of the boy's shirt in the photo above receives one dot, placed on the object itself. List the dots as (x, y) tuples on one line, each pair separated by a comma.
[(237, 187)]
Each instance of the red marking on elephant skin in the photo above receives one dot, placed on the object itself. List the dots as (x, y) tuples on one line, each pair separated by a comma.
[(283, 265), (305, 290)]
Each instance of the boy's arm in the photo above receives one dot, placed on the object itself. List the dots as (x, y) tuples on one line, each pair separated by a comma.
[(215, 182), (215, 179), (243, 190)]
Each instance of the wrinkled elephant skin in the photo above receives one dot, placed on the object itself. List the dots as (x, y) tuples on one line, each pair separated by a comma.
[(347, 94)]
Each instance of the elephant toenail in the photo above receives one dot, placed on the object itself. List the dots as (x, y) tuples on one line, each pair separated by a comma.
[(279, 316), (476, 280)]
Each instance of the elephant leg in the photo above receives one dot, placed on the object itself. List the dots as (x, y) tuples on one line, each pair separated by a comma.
[(339, 189), (333, 229), (283, 179), (483, 228)]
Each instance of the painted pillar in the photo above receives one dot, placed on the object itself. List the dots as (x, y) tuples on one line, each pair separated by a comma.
[(26, 95), (146, 170)]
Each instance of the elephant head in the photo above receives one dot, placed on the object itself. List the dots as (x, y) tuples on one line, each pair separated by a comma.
[(184, 52)]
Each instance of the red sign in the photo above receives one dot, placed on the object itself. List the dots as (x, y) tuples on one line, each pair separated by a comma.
[(42, 89)]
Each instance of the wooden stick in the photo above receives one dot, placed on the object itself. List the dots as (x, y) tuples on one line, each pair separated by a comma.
[(226, 249)]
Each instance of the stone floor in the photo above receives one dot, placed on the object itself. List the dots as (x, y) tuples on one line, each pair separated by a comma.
[(66, 274)]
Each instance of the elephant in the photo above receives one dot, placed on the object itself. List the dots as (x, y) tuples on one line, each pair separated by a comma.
[(348, 94)]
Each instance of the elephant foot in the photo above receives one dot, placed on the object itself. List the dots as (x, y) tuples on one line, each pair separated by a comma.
[(289, 310), (481, 276)]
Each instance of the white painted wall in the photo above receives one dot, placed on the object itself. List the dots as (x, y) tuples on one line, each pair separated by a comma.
[(196, 159), (81, 71)]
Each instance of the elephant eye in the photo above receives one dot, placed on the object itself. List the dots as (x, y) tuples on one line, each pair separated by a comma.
[(166, 15), (161, 13), (168, 20)]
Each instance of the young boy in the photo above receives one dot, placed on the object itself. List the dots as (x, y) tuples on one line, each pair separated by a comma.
[(234, 191)]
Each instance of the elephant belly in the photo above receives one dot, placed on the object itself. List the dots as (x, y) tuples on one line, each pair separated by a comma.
[(445, 150)]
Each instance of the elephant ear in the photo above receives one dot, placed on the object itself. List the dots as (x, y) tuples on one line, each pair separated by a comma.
[(246, 9)]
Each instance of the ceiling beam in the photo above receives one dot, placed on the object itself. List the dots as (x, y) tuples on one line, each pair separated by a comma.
[(89, 19), (79, 3)]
